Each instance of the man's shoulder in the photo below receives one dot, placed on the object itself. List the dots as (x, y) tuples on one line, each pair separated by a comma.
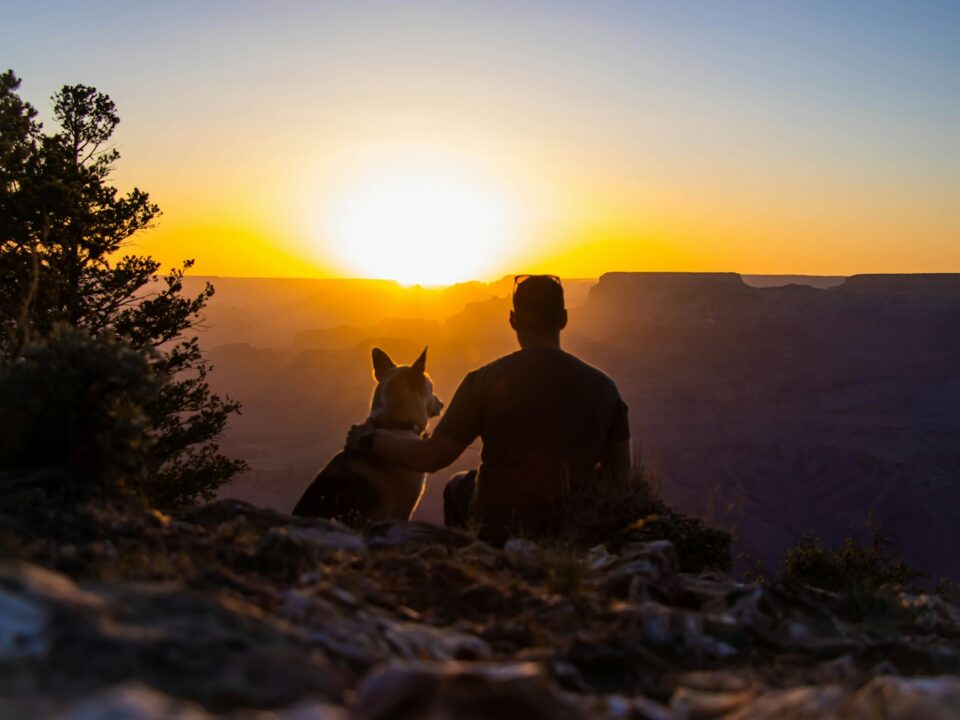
[(498, 364), (522, 360), (591, 371)]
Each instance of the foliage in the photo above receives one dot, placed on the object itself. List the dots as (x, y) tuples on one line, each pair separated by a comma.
[(63, 227), (565, 570), (77, 401), (612, 513), (948, 589), (699, 546), (851, 567), (599, 510)]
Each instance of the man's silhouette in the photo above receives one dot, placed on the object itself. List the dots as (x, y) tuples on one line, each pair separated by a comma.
[(549, 423)]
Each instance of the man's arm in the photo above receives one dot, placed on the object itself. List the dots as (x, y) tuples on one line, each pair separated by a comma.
[(616, 463), (458, 427), (415, 454)]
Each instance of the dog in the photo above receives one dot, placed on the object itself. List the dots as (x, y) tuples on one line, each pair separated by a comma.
[(356, 487)]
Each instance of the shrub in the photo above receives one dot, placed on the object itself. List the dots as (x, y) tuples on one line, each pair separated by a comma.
[(565, 570), (599, 511), (699, 546), (850, 567), (633, 511), (76, 401)]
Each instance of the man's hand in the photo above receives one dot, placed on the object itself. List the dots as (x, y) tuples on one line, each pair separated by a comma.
[(412, 453), (360, 437)]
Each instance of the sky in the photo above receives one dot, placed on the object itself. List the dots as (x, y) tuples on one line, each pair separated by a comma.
[(436, 141)]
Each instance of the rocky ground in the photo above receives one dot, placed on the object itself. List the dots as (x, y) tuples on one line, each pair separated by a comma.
[(232, 611)]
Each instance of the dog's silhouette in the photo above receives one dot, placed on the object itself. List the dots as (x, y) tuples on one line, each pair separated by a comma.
[(356, 487)]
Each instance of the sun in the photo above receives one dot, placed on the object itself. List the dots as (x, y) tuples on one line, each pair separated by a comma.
[(419, 225)]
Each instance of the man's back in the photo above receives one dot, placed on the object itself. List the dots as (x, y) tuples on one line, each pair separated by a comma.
[(544, 417)]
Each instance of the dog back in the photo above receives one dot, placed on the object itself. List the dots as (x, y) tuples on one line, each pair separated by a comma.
[(355, 487)]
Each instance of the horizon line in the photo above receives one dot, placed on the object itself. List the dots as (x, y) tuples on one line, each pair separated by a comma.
[(345, 278)]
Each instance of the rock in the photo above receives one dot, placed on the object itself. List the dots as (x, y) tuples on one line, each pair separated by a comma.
[(23, 628), (898, 698), (610, 662), (218, 513), (351, 644), (843, 670), (392, 534), (351, 636), (26, 608), (218, 651), (482, 554), (599, 559), (422, 642), (243, 611), (483, 597), (134, 701), (729, 681), (434, 551), (800, 703), (46, 585), (306, 608), (328, 540), (932, 612), (672, 631), (290, 550), (524, 555), (618, 707), (751, 608), (463, 691), (314, 711), (689, 704), (559, 613), (271, 677), (795, 620), (650, 562)]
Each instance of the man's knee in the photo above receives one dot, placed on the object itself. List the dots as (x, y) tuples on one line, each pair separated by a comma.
[(461, 482), (458, 497)]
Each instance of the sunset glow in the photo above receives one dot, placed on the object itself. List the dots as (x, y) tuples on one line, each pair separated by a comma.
[(418, 226), (813, 138)]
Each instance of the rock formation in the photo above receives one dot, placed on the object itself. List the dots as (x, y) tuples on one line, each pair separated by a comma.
[(230, 611)]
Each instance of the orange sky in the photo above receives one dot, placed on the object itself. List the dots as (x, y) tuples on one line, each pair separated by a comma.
[(563, 137)]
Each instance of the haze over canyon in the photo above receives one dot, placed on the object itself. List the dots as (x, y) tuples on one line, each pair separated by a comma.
[(773, 405)]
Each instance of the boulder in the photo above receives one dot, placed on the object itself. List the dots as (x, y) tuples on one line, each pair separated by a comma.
[(133, 701), (523, 555), (399, 533), (899, 698), (463, 691), (798, 703), (644, 563)]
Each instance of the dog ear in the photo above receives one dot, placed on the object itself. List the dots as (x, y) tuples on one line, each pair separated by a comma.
[(420, 364), (381, 363)]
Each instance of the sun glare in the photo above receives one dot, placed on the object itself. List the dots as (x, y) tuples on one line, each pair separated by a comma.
[(419, 226)]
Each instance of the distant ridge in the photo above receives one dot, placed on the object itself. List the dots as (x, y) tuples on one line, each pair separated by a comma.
[(817, 281), (918, 283), (720, 279)]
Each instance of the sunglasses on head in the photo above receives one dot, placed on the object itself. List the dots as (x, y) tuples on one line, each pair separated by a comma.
[(519, 280)]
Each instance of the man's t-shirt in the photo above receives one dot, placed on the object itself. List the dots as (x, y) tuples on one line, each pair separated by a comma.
[(544, 417)]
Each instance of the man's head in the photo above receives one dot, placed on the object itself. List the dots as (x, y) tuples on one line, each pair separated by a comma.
[(538, 313)]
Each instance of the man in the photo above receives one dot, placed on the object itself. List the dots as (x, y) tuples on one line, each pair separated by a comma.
[(549, 422)]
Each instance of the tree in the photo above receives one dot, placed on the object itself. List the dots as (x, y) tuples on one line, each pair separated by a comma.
[(63, 228)]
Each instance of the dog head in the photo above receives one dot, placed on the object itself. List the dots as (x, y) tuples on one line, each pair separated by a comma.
[(404, 394)]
